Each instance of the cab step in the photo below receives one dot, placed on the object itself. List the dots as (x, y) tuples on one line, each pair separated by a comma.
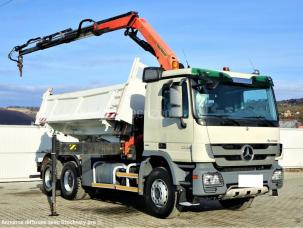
[(188, 204)]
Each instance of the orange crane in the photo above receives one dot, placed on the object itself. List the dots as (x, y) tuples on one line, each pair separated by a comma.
[(130, 21)]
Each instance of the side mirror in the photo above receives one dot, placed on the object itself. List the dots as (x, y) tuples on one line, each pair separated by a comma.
[(176, 105), (151, 74)]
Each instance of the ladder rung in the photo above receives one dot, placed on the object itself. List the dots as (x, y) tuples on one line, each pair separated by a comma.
[(126, 188), (115, 186), (103, 185), (127, 175)]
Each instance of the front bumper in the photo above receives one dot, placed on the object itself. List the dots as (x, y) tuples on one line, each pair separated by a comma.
[(229, 188)]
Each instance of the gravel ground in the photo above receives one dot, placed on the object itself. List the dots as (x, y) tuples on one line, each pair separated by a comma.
[(23, 204)]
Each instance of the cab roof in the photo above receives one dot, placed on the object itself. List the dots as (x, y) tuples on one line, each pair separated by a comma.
[(210, 73), (228, 75)]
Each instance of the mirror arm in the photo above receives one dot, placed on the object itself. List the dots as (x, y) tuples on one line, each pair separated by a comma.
[(169, 84), (183, 124), (182, 81)]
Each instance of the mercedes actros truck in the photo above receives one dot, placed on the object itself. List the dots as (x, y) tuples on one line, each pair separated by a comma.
[(170, 134)]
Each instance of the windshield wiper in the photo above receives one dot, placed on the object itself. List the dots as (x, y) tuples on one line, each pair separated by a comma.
[(262, 118), (225, 120)]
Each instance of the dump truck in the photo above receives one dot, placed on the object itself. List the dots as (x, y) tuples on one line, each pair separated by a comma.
[(171, 134)]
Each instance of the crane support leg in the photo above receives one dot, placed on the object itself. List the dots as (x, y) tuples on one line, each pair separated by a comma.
[(53, 204)]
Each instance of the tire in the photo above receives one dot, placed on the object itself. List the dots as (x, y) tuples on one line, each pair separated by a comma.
[(46, 174), (70, 181), (237, 204), (93, 192), (160, 195)]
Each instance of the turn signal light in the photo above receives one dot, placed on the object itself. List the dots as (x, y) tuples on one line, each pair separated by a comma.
[(195, 177), (175, 65)]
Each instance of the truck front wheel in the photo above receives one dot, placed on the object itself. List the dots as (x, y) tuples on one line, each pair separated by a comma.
[(70, 181), (237, 204), (160, 196)]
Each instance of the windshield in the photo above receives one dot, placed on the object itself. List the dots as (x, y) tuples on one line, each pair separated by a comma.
[(234, 101)]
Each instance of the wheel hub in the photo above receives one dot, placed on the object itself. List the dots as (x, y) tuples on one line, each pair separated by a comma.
[(68, 181), (48, 178), (159, 193)]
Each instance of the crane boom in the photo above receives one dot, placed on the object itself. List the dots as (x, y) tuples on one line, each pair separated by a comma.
[(130, 21)]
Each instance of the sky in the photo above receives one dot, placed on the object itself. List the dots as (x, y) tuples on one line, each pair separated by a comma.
[(267, 35)]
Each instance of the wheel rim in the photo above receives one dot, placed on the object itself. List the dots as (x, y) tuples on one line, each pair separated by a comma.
[(69, 181), (48, 178), (159, 193)]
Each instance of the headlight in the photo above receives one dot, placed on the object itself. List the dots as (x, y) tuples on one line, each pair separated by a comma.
[(277, 176), (212, 179)]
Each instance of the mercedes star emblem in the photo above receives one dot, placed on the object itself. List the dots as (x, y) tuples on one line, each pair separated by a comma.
[(247, 153)]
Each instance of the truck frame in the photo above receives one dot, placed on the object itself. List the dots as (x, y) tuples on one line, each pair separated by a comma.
[(194, 133)]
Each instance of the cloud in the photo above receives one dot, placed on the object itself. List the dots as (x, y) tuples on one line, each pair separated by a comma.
[(75, 62), (31, 95), (7, 71), (28, 95), (288, 89)]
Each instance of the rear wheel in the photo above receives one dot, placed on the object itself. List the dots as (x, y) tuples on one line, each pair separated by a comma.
[(160, 196), (237, 204), (70, 182), (47, 178)]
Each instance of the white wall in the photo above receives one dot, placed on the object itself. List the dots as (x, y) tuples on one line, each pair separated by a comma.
[(20, 148), (292, 139)]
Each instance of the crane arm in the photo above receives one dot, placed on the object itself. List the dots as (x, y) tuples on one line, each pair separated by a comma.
[(132, 24)]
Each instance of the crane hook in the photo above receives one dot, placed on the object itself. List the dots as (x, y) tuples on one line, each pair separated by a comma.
[(20, 64), (19, 61)]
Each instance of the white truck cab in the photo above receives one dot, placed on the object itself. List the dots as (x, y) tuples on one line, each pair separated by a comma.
[(223, 123)]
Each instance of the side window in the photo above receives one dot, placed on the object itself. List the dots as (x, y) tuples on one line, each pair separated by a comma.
[(166, 100), (185, 100)]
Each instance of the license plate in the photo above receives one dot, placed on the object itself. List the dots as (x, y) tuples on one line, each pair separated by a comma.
[(252, 181)]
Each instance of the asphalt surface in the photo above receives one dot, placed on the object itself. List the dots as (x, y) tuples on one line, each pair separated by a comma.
[(23, 204)]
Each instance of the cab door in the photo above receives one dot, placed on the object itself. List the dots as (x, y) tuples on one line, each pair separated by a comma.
[(175, 130)]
